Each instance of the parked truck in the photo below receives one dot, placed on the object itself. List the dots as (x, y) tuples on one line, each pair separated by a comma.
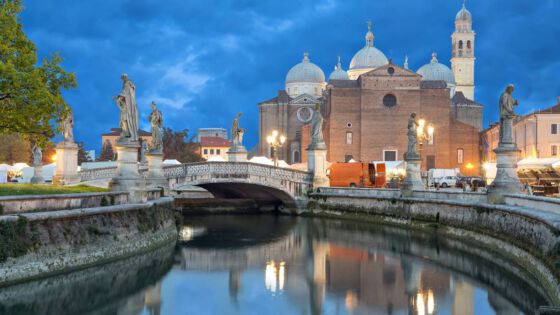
[(357, 174)]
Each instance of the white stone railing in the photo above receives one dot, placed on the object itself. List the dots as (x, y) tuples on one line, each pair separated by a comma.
[(97, 173)]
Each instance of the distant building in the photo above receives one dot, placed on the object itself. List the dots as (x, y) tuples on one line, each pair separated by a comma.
[(537, 135), (211, 132), (116, 133), (213, 147)]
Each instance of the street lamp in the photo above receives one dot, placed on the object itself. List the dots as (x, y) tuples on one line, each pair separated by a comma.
[(425, 134), (275, 140)]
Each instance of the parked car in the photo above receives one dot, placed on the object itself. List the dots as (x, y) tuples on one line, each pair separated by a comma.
[(471, 181), (447, 181)]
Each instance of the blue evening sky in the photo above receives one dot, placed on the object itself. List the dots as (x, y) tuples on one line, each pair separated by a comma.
[(203, 61)]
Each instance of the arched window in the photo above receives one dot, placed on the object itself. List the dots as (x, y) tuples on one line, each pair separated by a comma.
[(469, 44), (460, 44)]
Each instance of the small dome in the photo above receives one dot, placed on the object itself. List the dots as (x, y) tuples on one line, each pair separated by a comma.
[(435, 71), (305, 71), (369, 56), (463, 14), (338, 73)]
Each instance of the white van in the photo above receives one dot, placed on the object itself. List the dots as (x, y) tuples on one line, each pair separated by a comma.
[(437, 174)]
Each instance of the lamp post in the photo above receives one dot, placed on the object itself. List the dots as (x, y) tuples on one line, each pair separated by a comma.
[(425, 134), (275, 140)]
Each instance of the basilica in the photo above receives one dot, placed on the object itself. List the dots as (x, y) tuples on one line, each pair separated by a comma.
[(366, 108)]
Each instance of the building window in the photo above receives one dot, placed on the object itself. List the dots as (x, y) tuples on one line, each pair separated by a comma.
[(554, 129), (389, 100), (460, 156), (218, 151), (554, 150), (295, 90), (460, 44), (349, 125), (431, 139), (348, 137), (389, 155), (296, 157), (205, 151), (469, 44), (211, 151)]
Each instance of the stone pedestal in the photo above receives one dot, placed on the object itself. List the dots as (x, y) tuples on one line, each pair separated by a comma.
[(66, 172), (317, 164), (506, 181), (37, 175), (413, 178), (237, 154), (128, 178), (155, 177)]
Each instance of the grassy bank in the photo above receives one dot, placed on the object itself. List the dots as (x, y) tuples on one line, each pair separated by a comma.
[(35, 189)]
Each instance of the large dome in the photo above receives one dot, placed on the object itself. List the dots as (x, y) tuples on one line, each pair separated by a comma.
[(338, 73), (463, 14), (305, 71), (435, 71), (367, 58)]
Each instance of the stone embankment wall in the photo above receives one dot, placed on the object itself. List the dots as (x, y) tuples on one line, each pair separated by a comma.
[(527, 235), (35, 203), (38, 244)]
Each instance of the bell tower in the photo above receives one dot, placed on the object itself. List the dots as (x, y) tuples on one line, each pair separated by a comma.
[(462, 61)]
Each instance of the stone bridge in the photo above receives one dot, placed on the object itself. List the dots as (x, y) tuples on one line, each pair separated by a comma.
[(271, 187)]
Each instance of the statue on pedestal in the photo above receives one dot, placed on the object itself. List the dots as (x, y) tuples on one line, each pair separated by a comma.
[(37, 155), (237, 132), (68, 127), (412, 135), (317, 126), (126, 101), (156, 121), (507, 104)]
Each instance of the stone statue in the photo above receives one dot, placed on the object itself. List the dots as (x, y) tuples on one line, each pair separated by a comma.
[(126, 101), (237, 132), (412, 135), (68, 127), (37, 155), (317, 126), (143, 150), (507, 104), (156, 121)]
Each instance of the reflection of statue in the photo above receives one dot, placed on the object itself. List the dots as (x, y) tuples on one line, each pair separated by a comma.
[(507, 114), (68, 127), (317, 126), (412, 134), (126, 101), (237, 132), (37, 155), (156, 120)]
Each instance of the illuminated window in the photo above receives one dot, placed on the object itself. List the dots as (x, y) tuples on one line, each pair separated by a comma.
[(460, 156), (348, 137)]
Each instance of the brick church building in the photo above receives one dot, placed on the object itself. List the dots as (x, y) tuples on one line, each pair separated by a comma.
[(367, 108)]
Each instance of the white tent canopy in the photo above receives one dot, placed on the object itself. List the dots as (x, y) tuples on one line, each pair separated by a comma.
[(539, 163), (171, 162)]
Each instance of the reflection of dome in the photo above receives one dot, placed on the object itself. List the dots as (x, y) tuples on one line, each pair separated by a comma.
[(338, 73), (305, 71), (463, 14), (435, 71), (367, 58)]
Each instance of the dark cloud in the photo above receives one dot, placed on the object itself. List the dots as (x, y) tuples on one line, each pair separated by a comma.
[(205, 60)]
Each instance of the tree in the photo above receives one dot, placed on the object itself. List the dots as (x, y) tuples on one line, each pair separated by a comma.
[(31, 101), (14, 148), (82, 154), (49, 151), (107, 153), (176, 147)]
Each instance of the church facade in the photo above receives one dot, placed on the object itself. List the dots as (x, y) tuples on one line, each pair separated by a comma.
[(366, 108)]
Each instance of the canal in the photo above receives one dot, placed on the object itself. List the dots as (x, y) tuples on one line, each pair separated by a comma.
[(266, 264)]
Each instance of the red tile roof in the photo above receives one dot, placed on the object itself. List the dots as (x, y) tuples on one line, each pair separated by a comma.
[(551, 110), (214, 142)]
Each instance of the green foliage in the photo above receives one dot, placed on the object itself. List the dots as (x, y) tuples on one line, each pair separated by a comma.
[(14, 240), (104, 202), (175, 146), (14, 149), (82, 154), (31, 101), (107, 153), (34, 189)]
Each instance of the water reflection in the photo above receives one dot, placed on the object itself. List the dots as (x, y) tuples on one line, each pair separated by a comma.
[(284, 265)]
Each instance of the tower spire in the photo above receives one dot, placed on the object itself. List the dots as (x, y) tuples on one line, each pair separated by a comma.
[(369, 35), (339, 64), (406, 62)]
